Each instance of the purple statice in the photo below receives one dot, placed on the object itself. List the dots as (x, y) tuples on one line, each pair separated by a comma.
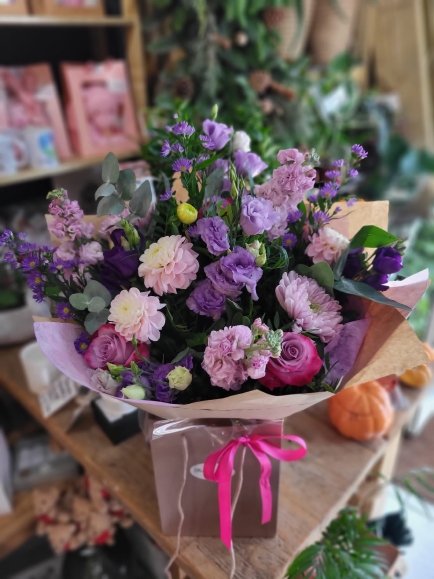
[(35, 279), (6, 237), (248, 164), (214, 233), (329, 190), (359, 151), (10, 258), (30, 261), (378, 281), (257, 215), (241, 267), (165, 149), (192, 231), (63, 310), (82, 343), (312, 198), (205, 300), (320, 218), (351, 201), (387, 260), (338, 163), (177, 148), (166, 195), (222, 281), (183, 128), (59, 265), (27, 247), (353, 173), (207, 142), (289, 240), (294, 216), (332, 174), (218, 134), (182, 165)]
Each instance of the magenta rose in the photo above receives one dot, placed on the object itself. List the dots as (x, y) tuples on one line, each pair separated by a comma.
[(297, 364), (109, 347)]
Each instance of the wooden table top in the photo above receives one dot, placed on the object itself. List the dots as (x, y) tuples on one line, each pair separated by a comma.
[(312, 490)]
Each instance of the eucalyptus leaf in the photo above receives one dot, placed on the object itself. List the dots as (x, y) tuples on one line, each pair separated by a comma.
[(110, 169), (95, 320), (214, 183), (359, 288), (96, 304), (127, 184), (112, 205), (105, 190), (79, 301), (372, 236), (141, 202), (96, 289)]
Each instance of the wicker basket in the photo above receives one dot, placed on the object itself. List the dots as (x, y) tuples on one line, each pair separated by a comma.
[(286, 22), (331, 30)]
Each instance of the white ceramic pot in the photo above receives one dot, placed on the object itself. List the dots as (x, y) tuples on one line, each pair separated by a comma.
[(16, 325)]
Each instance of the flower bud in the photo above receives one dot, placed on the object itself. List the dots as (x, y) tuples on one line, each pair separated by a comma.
[(179, 378), (186, 213), (241, 141), (134, 392), (257, 249), (115, 370), (233, 191), (214, 112), (125, 244)]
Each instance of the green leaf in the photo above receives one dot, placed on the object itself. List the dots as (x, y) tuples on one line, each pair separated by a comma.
[(95, 320), (79, 301), (142, 200), (372, 236), (51, 291), (237, 320), (162, 45), (320, 272), (358, 288), (110, 169), (205, 164), (246, 321), (112, 205), (180, 356), (198, 340), (231, 309), (96, 289), (96, 304), (214, 183), (105, 190), (127, 184)]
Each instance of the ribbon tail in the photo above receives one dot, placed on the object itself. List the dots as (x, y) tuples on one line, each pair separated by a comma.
[(264, 482)]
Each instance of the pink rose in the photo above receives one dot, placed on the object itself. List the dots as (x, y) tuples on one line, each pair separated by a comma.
[(297, 364), (108, 346)]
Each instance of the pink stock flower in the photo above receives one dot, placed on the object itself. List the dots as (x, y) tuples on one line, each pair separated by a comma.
[(87, 229), (169, 265), (231, 341), (326, 245), (66, 251), (311, 308), (71, 209), (91, 253), (290, 155), (257, 366), (57, 227), (223, 370), (260, 326)]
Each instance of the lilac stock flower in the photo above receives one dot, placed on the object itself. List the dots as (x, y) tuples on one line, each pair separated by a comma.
[(359, 151), (182, 165), (241, 267), (205, 300), (6, 237), (63, 310), (207, 142), (119, 264), (353, 173), (30, 261), (218, 134), (214, 233), (82, 343), (11, 259), (329, 190), (378, 281), (26, 247), (183, 128), (289, 240), (248, 164), (351, 201), (257, 215), (165, 149), (221, 281), (338, 163), (321, 218), (353, 265), (332, 174), (177, 148), (294, 216), (166, 195), (387, 260)]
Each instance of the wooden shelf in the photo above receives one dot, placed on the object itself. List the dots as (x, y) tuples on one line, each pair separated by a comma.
[(312, 491), (66, 21), (19, 525), (76, 164)]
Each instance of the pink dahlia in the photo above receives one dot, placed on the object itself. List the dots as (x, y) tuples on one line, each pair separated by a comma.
[(311, 308), (135, 313), (326, 245), (169, 265)]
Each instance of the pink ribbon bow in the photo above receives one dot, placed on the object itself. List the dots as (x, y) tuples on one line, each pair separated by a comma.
[(219, 466)]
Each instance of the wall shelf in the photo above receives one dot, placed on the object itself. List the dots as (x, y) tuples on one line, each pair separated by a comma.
[(101, 21)]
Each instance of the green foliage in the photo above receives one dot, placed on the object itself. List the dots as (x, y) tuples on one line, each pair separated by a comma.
[(320, 272), (110, 169), (95, 320), (142, 200), (95, 298), (363, 290), (372, 236)]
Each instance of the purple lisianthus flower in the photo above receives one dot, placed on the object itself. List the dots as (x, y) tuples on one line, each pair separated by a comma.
[(329, 190), (177, 148), (257, 215), (351, 201), (127, 377), (183, 128), (218, 133), (353, 173), (221, 281), (207, 142), (359, 151), (338, 163), (241, 267), (6, 237), (289, 240), (26, 247), (120, 264), (214, 233), (387, 260), (332, 174), (205, 300), (186, 362), (82, 343), (11, 259), (182, 165), (248, 164), (63, 310), (158, 380), (321, 218), (294, 216), (165, 149), (353, 264), (166, 195), (378, 281), (30, 261)]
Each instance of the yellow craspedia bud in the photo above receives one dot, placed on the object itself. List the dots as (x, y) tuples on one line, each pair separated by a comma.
[(186, 213)]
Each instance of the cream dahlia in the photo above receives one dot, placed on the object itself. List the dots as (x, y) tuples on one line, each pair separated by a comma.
[(169, 265), (311, 308), (326, 245), (135, 313)]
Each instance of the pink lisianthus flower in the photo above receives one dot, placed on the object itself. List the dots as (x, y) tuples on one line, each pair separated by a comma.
[(326, 245), (169, 264), (91, 253), (135, 313), (109, 347)]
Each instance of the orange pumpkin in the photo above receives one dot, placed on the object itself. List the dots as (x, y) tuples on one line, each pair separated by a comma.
[(362, 412), (421, 375)]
